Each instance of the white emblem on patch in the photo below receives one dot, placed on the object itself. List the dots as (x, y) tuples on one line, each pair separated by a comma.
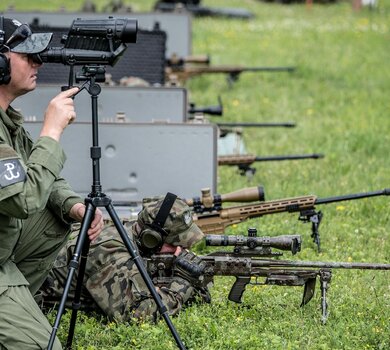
[(187, 218), (16, 22)]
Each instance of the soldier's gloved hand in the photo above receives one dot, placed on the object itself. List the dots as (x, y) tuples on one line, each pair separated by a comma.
[(189, 266)]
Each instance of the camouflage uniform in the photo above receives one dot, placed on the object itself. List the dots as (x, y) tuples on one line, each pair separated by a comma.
[(112, 282)]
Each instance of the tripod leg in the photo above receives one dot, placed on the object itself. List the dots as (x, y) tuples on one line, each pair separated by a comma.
[(77, 296), (141, 268), (73, 265)]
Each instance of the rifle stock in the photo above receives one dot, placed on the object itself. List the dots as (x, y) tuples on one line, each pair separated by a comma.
[(178, 61)]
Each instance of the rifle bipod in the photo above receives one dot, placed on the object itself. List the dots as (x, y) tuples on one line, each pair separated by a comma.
[(308, 292), (315, 217), (308, 278)]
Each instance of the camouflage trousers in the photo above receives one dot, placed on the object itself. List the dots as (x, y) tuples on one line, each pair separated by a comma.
[(22, 323)]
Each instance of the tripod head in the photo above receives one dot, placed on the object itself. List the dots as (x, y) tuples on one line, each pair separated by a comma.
[(92, 71), (91, 75)]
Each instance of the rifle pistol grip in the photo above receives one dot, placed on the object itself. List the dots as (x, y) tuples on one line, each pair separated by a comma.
[(238, 289)]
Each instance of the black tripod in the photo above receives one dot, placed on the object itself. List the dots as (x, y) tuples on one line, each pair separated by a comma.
[(96, 198)]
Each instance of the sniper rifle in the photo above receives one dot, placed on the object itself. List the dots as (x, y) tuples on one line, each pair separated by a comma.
[(247, 262), (182, 73), (215, 220), (244, 161), (180, 69), (218, 111)]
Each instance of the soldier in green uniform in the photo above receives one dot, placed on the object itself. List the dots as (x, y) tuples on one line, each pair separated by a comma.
[(112, 283), (37, 206)]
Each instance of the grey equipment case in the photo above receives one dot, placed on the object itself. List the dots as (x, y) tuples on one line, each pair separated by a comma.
[(130, 104), (140, 160)]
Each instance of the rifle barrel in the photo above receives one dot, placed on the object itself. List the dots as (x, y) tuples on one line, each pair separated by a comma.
[(232, 69), (348, 197), (268, 69), (289, 157), (319, 264)]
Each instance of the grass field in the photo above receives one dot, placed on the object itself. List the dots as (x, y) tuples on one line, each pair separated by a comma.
[(339, 98)]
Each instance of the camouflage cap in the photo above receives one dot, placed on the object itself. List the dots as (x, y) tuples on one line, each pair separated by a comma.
[(179, 225), (19, 38)]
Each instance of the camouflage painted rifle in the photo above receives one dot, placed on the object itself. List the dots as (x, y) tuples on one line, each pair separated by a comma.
[(244, 161), (247, 263), (216, 219)]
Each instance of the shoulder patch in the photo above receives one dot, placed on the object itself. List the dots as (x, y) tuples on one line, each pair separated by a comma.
[(11, 171)]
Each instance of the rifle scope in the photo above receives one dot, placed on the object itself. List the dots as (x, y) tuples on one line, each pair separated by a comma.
[(93, 41), (248, 194), (285, 242)]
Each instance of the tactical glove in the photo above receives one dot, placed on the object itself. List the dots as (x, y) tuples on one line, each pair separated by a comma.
[(190, 267)]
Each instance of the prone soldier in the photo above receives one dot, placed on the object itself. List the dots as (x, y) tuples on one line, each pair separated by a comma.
[(112, 283)]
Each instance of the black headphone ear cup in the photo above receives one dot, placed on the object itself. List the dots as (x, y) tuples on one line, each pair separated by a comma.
[(5, 71), (150, 239)]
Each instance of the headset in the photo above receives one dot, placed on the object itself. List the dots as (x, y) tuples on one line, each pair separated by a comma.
[(5, 70), (152, 237)]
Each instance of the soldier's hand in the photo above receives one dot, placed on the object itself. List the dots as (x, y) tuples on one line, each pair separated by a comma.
[(189, 266), (77, 213), (59, 114)]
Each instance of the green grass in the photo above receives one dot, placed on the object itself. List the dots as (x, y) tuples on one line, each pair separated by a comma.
[(339, 98)]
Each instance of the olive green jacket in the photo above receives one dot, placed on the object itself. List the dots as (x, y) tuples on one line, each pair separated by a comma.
[(29, 181)]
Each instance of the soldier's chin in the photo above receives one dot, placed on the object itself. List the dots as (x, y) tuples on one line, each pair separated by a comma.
[(31, 87), (33, 82)]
